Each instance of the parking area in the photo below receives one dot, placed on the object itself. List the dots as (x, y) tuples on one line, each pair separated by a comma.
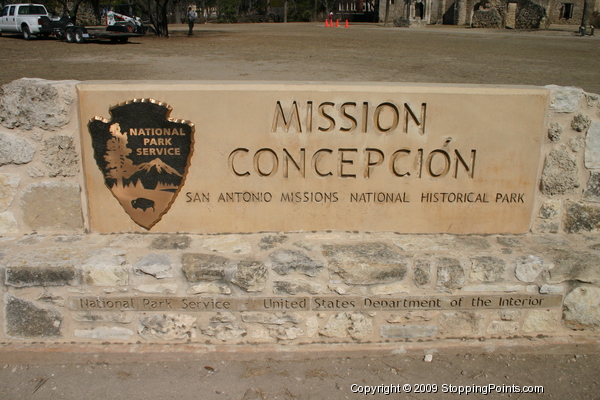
[(311, 52)]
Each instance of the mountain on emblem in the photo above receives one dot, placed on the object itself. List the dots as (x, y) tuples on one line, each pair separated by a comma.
[(144, 156)]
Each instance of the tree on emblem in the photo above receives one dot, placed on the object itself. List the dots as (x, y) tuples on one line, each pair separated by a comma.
[(119, 166)]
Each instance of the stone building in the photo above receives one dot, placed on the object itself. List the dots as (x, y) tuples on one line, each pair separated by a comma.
[(519, 14)]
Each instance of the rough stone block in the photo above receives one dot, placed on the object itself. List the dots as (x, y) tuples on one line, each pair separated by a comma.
[(354, 325), (580, 122), (105, 333), (40, 276), (581, 309), (224, 327), (121, 318), (60, 156), (105, 268), (529, 267), (503, 328), (26, 320), (450, 274), (407, 332), (210, 287), (487, 268), (592, 191), (168, 327), (156, 265), (250, 276), (552, 289), (171, 242), (509, 241), (462, 323), (573, 265), (366, 263), (506, 288), (8, 188), (554, 131), (278, 318), (410, 316), (550, 209), (161, 288), (52, 205), (564, 99), (591, 99), (15, 150), (295, 287), (199, 267), (560, 174), (228, 244), (592, 146), (390, 288), (8, 223), (576, 144), (271, 241), (285, 261), (473, 243), (541, 321), (422, 273), (581, 217), (425, 243), (29, 103), (285, 332)]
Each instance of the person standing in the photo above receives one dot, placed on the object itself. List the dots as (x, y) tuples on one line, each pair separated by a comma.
[(191, 15)]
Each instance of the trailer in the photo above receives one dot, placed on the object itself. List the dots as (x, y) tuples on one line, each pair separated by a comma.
[(65, 29), (81, 34)]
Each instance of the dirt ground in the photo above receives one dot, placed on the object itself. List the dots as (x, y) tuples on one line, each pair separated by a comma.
[(309, 51), (560, 377), (365, 52)]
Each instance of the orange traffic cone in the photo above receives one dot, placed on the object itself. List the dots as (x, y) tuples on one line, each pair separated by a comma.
[(346, 23), (337, 23), (326, 23)]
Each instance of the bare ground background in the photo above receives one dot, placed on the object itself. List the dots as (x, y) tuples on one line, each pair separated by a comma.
[(312, 52), (309, 51)]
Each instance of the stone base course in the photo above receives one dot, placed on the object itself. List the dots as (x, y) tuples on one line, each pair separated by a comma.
[(45, 278)]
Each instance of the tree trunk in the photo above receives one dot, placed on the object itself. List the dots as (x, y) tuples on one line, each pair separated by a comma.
[(586, 11), (387, 13)]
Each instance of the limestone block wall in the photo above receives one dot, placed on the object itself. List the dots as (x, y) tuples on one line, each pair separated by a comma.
[(61, 283), (40, 165)]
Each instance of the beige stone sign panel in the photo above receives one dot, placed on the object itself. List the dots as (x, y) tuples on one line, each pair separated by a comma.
[(318, 156)]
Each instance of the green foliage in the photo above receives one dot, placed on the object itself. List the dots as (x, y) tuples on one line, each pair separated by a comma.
[(595, 19), (228, 10), (301, 11)]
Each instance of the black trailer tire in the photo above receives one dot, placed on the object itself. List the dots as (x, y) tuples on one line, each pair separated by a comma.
[(27, 33), (124, 39), (70, 36), (79, 36)]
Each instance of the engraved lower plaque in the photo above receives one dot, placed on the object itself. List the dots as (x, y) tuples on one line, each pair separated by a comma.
[(144, 156), (418, 158), (319, 303)]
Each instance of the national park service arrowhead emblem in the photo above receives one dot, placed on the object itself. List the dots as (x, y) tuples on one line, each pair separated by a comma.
[(144, 156)]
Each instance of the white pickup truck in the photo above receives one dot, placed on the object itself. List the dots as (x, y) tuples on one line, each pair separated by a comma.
[(25, 19)]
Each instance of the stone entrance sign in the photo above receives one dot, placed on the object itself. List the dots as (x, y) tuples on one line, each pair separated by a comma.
[(291, 157)]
